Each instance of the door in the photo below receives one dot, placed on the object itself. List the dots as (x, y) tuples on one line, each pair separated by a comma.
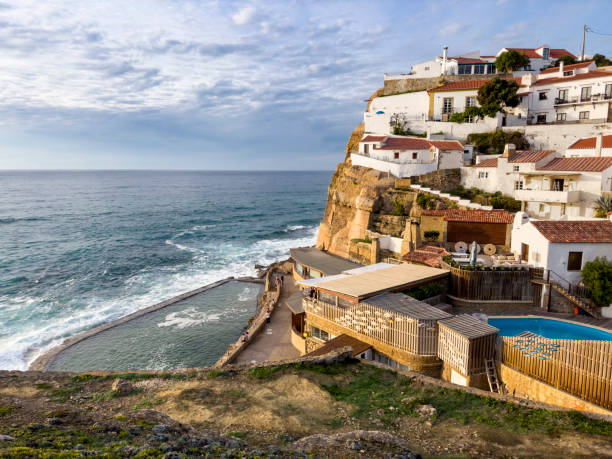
[(524, 252), (557, 184)]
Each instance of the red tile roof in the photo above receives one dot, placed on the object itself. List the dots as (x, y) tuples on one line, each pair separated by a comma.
[(530, 156), (466, 85), (487, 163), (575, 230), (579, 65), (580, 76), (472, 216), (446, 144), (555, 53), (428, 255), (589, 143), (417, 143), (374, 138), (468, 60), (585, 164)]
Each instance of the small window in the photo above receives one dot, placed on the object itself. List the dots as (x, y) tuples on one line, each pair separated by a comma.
[(320, 334), (545, 53), (543, 95), (542, 208), (584, 115), (515, 168), (396, 155), (561, 116), (426, 68), (483, 175), (585, 94), (518, 184), (541, 119), (415, 155), (568, 73), (574, 261), (366, 149), (470, 101), (608, 91)]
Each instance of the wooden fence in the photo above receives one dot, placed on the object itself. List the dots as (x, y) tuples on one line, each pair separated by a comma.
[(581, 368), (397, 330), (492, 285)]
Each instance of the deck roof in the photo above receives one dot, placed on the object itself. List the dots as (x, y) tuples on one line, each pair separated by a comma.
[(339, 342), (469, 326), (294, 303), (322, 261), (370, 283), (408, 306)]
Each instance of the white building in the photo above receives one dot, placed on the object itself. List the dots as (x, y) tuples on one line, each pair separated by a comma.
[(540, 58), (410, 106), (562, 246), (548, 185), (407, 156), (600, 145), (577, 93)]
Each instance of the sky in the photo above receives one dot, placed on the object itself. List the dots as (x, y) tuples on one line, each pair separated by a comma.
[(249, 85)]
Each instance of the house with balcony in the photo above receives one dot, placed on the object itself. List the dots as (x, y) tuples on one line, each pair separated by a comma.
[(577, 93), (403, 156)]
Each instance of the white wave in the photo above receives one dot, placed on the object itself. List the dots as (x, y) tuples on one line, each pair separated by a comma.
[(293, 228), (188, 318), (248, 294), (183, 247)]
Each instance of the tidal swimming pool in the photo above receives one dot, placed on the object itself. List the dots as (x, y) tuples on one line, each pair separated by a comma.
[(193, 332), (548, 328)]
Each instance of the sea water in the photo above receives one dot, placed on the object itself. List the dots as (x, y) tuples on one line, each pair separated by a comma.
[(78, 249)]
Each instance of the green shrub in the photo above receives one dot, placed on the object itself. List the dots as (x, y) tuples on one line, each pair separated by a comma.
[(431, 235), (426, 201), (425, 291), (494, 142), (597, 276), (367, 240), (399, 208)]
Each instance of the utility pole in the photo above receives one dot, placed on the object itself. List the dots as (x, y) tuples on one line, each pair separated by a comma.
[(583, 37)]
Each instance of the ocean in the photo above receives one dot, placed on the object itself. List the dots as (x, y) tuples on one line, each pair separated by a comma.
[(78, 249)]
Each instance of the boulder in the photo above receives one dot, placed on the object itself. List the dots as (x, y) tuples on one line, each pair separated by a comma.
[(4, 438), (426, 410), (122, 387)]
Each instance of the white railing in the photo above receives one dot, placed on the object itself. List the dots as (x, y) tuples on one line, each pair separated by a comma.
[(394, 160)]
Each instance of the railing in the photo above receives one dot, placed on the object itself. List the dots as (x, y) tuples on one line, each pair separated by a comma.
[(387, 327), (587, 121), (581, 368)]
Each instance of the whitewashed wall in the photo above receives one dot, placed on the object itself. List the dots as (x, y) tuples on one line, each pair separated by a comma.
[(399, 170), (412, 105), (393, 244)]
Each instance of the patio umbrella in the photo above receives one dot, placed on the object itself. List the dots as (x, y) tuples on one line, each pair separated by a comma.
[(473, 253)]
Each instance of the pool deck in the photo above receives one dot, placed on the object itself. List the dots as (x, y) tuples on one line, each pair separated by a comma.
[(273, 343), (514, 311)]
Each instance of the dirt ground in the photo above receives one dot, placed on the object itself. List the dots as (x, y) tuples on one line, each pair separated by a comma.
[(277, 406)]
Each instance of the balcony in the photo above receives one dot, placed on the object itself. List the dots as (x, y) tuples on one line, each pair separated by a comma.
[(594, 98), (563, 197)]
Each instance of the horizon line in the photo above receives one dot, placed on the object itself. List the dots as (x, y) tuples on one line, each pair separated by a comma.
[(166, 170)]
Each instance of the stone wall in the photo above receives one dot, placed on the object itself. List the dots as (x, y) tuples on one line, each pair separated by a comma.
[(523, 386), (360, 252), (391, 225), (443, 180), (400, 85)]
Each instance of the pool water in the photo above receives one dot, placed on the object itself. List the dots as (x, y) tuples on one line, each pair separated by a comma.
[(548, 328)]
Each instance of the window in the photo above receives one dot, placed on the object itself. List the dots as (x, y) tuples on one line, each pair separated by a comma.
[(447, 105), (562, 96), (470, 101), (366, 149), (483, 175), (464, 69), (541, 119), (527, 67), (574, 261), (524, 252), (491, 68), (557, 184), (608, 91), (542, 209), (479, 69), (561, 116), (545, 53), (319, 334), (585, 93), (584, 115), (568, 73), (396, 155), (415, 155), (426, 68), (298, 269), (543, 95), (518, 184), (515, 168)]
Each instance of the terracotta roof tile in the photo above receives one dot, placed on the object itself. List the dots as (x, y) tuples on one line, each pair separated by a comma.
[(374, 138), (590, 142), (579, 65), (446, 144), (595, 231), (417, 143), (585, 164), (468, 60), (530, 156), (555, 53), (487, 163), (472, 215), (580, 76), (428, 255), (467, 84)]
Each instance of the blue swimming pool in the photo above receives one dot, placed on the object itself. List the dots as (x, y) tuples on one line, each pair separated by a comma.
[(549, 328)]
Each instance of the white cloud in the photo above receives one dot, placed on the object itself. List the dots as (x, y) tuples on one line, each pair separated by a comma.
[(244, 16)]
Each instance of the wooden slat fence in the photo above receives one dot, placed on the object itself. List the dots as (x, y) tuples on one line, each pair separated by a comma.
[(581, 368), (491, 285), (388, 327)]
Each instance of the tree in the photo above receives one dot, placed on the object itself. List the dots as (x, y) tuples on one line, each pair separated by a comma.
[(510, 61), (603, 206), (597, 276), (470, 114), (494, 142), (497, 94), (567, 60), (601, 60)]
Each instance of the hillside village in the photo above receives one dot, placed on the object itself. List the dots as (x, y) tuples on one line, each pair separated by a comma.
[(455, 212)]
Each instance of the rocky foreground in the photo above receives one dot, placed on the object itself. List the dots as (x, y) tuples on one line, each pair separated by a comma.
[(344, 409)]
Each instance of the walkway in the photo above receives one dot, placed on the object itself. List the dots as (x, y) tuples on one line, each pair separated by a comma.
[(274, 341)]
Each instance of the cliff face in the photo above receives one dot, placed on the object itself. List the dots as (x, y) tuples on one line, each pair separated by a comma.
[(360, 198)]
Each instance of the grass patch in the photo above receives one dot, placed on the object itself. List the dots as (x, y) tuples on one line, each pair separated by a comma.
[(43, 386), (6, 409), (105, 395), (148, 403), (216, 373), (264, 372), (237, 434)]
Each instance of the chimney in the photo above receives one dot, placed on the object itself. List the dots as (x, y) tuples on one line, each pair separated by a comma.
[(509, 150), (598, 142), (444, 58), (561, 69), (428, 133)]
